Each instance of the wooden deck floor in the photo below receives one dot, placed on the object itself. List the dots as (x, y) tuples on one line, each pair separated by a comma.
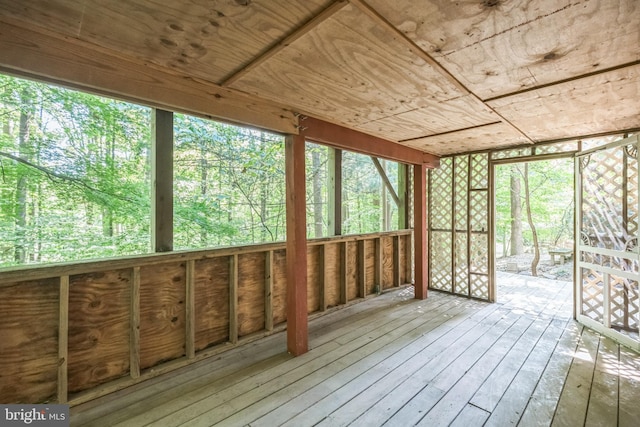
[(395, 361)]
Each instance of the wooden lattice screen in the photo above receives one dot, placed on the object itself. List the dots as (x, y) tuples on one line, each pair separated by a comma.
[(459, 226), (608, 236)]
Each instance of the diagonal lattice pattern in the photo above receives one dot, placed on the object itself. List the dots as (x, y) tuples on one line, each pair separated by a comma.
[(440, 261), (480, 286), (461, 191), (461, 265), (478, 210), (479, 171), (592, 296), (441, 195)]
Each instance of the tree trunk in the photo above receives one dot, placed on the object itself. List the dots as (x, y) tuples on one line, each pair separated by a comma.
[(517, 244), (317, 193), (536, 248), (26, 114)]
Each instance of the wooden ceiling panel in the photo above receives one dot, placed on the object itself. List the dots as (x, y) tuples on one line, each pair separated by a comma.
[(207, 39), (441, 27), (587, 37), (500, 47), (493, 136), (349, 70), (601, 103), (459, 113)]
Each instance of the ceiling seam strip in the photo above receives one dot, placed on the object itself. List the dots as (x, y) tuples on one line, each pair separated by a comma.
[(305, 28), (451, 131), (371, 12), (567, 80)]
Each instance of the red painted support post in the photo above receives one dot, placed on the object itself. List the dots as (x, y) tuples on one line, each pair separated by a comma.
[(297, 320), (420, 229)]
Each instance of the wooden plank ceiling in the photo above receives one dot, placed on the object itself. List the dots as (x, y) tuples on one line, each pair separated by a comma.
[(441, 76)]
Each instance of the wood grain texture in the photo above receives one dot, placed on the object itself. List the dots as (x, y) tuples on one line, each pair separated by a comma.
[(99, 340), (279, 286), (29, 337), (332, 273), (212, 302), (495, 48), (432, 118), (162, 313), (488, 137), (352, 270), (314, 278), (349, 70), (567, 109), (388, 267), (30, 53), (192, 36), (370, 266), (251, 273)]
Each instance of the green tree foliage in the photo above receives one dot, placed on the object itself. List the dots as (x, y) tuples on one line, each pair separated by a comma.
[(73, 175), (229, 186), (551, 188)]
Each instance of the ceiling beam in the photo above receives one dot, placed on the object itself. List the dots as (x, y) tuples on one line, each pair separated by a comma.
[(305, 28), (340, 137), (417, 50)]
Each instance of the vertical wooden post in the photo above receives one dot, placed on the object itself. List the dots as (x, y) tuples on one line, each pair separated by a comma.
[(323, 277), (63, 340), (233, 299), (362, 269), (134, 331), (335, 192), (403, 197), (190, 310), (397, 272), (420, 219), (344, 259), (378, 264), (297, 318), (162, 178), (268, 291)]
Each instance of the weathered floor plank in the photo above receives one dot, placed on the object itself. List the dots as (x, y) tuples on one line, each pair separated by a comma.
[(392, 360)]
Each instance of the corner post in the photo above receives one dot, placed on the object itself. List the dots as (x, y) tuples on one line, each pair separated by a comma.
[(297, 327), (420, 229)]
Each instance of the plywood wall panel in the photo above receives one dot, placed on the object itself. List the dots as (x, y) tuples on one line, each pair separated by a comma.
[(251, 280), (162, 313), (211, 302), (352, 270), (370, 266), (387, 262), (314, 278), (279, 286), (29, 341), (99, 324), (332, 273)]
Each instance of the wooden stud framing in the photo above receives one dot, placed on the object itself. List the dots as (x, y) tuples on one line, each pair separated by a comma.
[(397, 271), (403, 205), (420, 233), (63, 340), (162, 176), (344, 259), (378, 263), (268, 291), (335, 191), (297, 316), (323, 278), (134, 334), (362, 270), (190, 310), (233, 299)]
